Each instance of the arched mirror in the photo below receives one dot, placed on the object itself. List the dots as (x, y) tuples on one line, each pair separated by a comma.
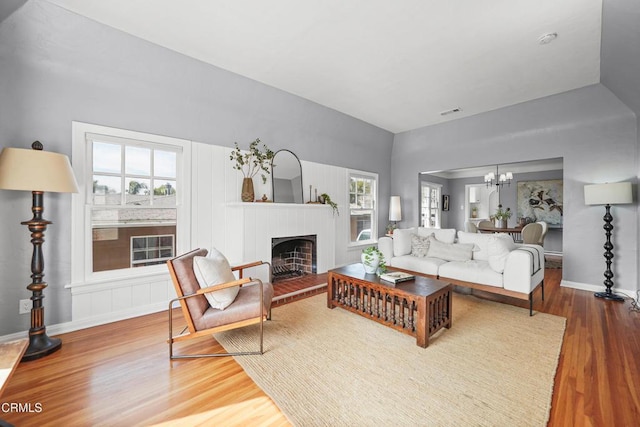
[(286, 174)]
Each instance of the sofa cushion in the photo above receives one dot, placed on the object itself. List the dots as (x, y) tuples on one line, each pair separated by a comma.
[(449, 251), (471, 271), (215, 270), (419, 265), (481, 242), (499, 249), (445, 235), (402, 241), (419, 245)]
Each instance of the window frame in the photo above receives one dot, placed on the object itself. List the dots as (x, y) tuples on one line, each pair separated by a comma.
[(81, 203), (158, 260), (438, 200), (374, 214)]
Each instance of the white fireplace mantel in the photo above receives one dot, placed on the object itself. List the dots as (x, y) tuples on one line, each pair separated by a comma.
[(251, 226)]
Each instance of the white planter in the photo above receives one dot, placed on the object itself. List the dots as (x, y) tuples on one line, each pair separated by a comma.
[(500, 223), (372, 266)]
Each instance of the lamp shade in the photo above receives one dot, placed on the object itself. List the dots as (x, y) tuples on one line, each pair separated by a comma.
[(608, 194), (36, 170), (395, 211)]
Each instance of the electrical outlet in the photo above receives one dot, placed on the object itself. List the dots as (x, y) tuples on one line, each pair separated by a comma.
[(25, 306)]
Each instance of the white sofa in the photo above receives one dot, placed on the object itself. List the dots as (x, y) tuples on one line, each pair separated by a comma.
[(489, 262)]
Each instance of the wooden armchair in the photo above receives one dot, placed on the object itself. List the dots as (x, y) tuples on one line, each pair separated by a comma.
[(252, 305)]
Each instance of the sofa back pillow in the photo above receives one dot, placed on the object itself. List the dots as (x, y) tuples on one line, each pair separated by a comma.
[(445, 235), (449, 251), (499, 249), (481, 242), (402, 241)]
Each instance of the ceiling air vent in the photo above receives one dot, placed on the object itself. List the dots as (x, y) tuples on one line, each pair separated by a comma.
[(455, 110)]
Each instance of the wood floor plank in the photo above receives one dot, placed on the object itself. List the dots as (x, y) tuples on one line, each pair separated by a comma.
[(120, 374)]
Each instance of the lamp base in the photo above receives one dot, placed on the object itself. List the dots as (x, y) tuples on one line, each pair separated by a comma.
[(40, 345), (608, 295)]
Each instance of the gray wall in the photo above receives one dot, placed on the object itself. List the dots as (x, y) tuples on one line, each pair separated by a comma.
[(590, 128), (57, 67)]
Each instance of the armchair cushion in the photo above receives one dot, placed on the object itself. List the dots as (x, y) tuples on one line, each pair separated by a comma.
[(215, 270)]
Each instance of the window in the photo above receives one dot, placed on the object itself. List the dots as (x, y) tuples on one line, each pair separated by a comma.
[(132, 208), (134, 193), (151, 250), (430, 205), (363, 193)]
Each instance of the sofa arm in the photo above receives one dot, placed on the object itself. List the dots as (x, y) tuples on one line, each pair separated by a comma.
[(524, 268), (385, 245)]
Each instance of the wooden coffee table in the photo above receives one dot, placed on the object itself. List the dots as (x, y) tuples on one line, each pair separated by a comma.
[(418, 307)]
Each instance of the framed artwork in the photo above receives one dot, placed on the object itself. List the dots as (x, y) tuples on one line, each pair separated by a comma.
[(540, 201), (445, 202)]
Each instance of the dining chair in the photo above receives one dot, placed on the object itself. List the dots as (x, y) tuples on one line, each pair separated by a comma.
[(545, 228), (531, 233)]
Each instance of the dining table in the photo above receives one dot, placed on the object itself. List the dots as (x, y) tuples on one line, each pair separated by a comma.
[(514, 232)]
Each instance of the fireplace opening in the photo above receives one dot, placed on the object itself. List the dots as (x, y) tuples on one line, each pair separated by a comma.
[(293, 256)]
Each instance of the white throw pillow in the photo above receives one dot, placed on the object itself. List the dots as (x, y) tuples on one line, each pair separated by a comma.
[(402, 241), (214, 270), (499, 249), (419, 246), (449, 251)]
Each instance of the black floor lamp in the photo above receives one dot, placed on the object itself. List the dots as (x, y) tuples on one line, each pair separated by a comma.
[(37, 171), (607, 195)]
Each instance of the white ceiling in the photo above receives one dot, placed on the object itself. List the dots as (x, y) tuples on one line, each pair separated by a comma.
[(395, 64)]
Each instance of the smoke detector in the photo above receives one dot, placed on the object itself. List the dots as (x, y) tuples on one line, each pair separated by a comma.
[(547, 38), (453, 110)]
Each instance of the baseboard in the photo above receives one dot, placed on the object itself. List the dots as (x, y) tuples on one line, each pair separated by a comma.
[(597, 288), (89, 322)]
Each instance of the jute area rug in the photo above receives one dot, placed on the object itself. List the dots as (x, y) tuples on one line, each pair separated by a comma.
[(322, 367)]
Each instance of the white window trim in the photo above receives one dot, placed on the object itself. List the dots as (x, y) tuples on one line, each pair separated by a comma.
[(81, 247), (439, 211), (374, 228)]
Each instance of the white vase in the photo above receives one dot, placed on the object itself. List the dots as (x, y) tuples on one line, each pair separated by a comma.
[(372, 266)]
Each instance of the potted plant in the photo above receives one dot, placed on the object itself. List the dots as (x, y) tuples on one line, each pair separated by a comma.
[(474, 212), (324, 197), (256, 159), (391, 227), (373, 261), (501, 216)]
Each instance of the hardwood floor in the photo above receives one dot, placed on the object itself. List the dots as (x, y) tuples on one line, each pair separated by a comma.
[(119, 374)]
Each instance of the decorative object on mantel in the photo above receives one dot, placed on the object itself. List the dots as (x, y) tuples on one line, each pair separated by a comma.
[(286, 177), (324, 197), (608, 194), (474, 212), (37, 171), (373, 261), (250, 163), (501, 216)]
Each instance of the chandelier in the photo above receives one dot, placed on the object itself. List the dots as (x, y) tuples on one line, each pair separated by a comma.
[(498, 179)]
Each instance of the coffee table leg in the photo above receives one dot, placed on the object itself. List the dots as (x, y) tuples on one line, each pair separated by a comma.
[(422, 331)]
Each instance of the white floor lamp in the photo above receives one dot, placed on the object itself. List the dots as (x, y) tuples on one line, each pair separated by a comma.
[(37, 171), (607, 195)]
